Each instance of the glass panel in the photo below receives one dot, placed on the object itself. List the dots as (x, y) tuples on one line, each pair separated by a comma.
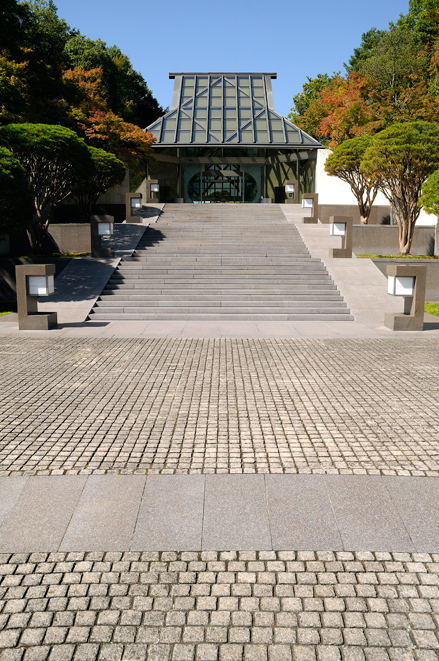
[(169, 124), (201, 101), (188, 82), (185, 124), (230, 102), (216, 92), (201, 82), (243, 81), (230, 81), (214, 81), (261, 124), (230, 124), (277, 136), (168, 136), (256, 81), (276, 124), (200, 113), (214, 137), (245, 113), (246, 136), (292, 136), (243, 98), (156, 134), (183, 136), (233, 137), (230, 112), (261, 136), (215, 124), (215, 113), (199, 136)]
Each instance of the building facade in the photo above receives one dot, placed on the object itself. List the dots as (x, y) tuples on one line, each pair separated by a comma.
[(222, 141)]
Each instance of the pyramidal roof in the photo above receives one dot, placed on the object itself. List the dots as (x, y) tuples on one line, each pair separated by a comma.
[(226, 109)]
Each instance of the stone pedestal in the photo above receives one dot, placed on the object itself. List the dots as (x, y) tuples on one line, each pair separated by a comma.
[(346, 241), (97, 249), (314, 218), (27, 306), (412, 319)]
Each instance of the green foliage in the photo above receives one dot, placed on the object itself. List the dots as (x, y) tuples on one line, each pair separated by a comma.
[(369, 40), (432, 308), (15, 19), (344, 163), (430, 194), (398, 161), (423, 20), (394, 59), (127, 93), (16, 205), (310, 92), (55, 160), (107, 171)]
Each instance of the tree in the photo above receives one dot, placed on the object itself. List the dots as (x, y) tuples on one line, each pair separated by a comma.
[(124, 89), (423, 19), (16, 205), (430, 194), (344, 163), (107, 171), (101, 127), (368, 42), (310, 92), (55, 159), (398, 162)]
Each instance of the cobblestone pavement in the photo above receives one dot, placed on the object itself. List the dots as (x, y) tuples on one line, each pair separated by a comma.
[(227, 606), (86, 405)]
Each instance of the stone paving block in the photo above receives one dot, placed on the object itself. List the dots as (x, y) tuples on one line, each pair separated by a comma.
[(40, 517), (300, 512), (417, 502), (171, 513), (106, 514), (365, 514), (235, 513)]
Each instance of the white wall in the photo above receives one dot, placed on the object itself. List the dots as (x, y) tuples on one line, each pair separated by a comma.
[(332, 190)]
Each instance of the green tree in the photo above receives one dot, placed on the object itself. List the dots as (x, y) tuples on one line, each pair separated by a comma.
[(369, 41), (310, 92), (126, 92), (423, 20), (16, 205), (107, 171), (344, 163), (398, 162), (394, 60), (55, 159), (430, 194)]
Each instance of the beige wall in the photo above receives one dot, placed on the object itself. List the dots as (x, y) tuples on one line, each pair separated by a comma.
[(116, 194)]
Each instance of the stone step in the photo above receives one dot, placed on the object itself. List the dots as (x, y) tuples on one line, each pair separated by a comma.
[(179, 316), (251, 304)]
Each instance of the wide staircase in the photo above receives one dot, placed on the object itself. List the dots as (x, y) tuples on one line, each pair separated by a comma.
[(221, 262)]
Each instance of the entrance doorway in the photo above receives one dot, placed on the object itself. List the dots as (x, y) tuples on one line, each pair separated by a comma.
[(222, 183)]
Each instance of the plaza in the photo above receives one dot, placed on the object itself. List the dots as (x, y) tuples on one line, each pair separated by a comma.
[(185, 476)]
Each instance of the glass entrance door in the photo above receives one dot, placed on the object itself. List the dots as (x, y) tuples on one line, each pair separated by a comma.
[(222, 183)]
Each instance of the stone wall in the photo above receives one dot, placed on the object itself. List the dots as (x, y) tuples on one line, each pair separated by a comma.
[(383, 240), (71, 238)]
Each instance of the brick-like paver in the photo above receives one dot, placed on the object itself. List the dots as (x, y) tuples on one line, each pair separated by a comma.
[(219, 605), (202, 406)]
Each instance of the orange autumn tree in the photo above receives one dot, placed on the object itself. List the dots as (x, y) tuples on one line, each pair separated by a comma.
[(349, 108), (100, 126)]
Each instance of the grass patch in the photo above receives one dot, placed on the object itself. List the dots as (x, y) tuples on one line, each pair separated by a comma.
[(61, 255), (7, 308), (432, 308), (398, 256)]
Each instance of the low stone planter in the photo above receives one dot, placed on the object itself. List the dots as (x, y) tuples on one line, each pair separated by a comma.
[(432, 288)]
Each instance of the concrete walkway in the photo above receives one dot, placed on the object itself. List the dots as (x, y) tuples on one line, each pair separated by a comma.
[(218, 512)]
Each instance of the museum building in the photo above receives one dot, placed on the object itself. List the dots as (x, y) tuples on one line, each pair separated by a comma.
[(222, 141)]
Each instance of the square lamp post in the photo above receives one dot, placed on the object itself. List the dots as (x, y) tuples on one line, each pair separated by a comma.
[(291, 190), (133, 202), (32, 281), (407, 280), (152, 190), (101, 226), (311, 201), (341, 226)]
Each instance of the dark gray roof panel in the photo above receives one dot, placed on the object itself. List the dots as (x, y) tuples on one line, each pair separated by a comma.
[(226, 109)]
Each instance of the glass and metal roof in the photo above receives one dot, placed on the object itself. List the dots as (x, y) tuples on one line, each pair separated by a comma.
[(226, 109)]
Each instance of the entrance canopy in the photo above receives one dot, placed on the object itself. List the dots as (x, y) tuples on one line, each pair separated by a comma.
[(226, 109)]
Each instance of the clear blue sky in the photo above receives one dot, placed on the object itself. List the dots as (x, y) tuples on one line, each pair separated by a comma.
[(294, 39)]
